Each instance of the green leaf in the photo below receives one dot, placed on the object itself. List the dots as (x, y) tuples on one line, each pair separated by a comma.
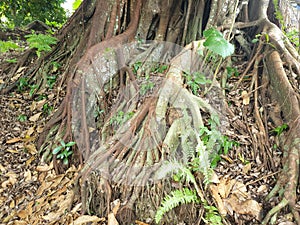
[(65, 161), (57, 150), (216, 43), (71, 143)]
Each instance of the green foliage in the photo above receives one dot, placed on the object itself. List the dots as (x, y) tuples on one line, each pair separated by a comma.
[(174, 199), (136, 66), (76, 4), (22, 118), (195, 80), (40, 42), (120, 118), (279, 130), (231, 71), (293, 36), (33, 88), (14, 60), (215, 142), (22, 84), (158, 68), (63, 151), (51, 81), (212, 215), (146, 86), (21, 12), (47, 109), (5, 46), (216, 43)]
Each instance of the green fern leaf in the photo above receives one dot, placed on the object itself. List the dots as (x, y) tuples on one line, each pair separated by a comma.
[(173, 200)]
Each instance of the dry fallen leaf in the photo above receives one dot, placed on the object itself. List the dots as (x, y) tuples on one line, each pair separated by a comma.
[(248, 207), (111, 220), (35, 117), (27, 176), (246, 98), (13, 140), (86, 219), (31, 149), (30, 131), (215, 194)]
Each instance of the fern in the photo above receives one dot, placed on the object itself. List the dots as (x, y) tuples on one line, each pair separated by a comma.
[(40, 42), (173, 200)]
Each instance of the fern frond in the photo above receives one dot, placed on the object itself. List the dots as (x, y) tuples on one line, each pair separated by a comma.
[(173, 200)]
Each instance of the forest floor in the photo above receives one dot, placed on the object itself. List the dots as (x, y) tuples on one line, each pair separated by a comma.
[(31, 192)]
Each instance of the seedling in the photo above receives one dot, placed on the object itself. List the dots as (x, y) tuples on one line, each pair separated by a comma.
[(136, 67), (33, 89), (64, 151), (279, 130), (51, 81), (147, 86), (195, 80), (47, 109), (231, 71), (23, 84), (120, 118), (22, 118), (159, 68)]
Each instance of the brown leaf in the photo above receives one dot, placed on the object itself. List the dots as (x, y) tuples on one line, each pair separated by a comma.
[(30, 131), (31, 149), (247, 207), (215, 194), (111, 220), (44, 168), (23, 214), (86, 219), (246, 98), (13, 140), (35, 117)]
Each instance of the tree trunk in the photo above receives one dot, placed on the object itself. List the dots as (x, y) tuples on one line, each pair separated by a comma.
[(145, 114)]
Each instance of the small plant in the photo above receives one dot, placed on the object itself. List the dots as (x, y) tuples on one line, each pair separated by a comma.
[(14, 60), (136, 66), (51, 81), (41, 97), (279, 130), (159, 68), (22, 84), (5, 46), (215, 143), (22, 118), (120, 118), (195, 80), (40, 42), (64, 151), (231, 71), (147, 86), (98, 111), (33, 89), (47, 109)]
